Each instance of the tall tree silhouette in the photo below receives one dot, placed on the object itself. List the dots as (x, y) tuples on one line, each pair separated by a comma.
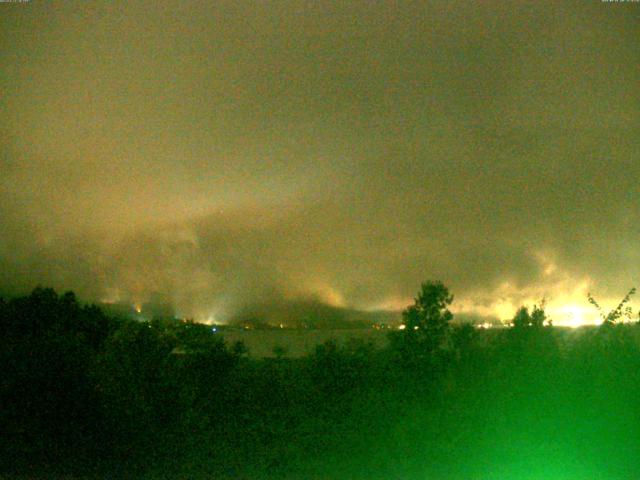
[(523, 319), (426, 322)]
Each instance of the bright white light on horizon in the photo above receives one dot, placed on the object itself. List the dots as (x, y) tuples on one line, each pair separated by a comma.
[(572, 315), (565, 300)]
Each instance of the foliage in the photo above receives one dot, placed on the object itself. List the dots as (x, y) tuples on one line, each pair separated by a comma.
[(87, 396), (464, 337), (617, 313), (47, 350), (426, 322), (535, 319)]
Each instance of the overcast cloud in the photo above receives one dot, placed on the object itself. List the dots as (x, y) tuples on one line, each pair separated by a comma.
[(219, 154)]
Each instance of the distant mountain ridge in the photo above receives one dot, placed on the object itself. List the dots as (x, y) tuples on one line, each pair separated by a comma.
[(311, 314)]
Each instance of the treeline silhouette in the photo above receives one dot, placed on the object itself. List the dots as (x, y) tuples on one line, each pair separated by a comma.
[(90, 395)]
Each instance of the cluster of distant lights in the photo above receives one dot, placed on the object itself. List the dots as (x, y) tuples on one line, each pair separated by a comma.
[(484, 325), (487, 325), (575, 317)]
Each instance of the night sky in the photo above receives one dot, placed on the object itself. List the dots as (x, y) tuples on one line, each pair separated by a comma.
[(215, 155)]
